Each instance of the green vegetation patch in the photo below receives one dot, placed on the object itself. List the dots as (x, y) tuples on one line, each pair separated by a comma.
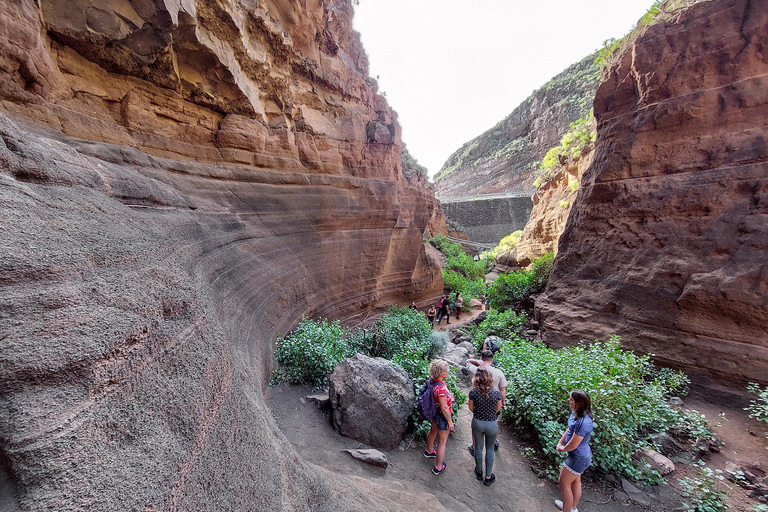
[(628, 400), (514, 287), (461, 273), (578, 140)]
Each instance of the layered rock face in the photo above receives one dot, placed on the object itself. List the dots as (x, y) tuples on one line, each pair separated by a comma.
[(668, 238), (179, 183), (502, 159), (552, 204)]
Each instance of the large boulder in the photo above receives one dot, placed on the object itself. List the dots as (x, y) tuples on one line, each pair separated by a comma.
[(371, 400)]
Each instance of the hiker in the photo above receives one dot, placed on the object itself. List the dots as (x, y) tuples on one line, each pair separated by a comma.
[(413, 306), (458, 305), (485, 404), (486, 301), (442, 424), (431, 313), (575, 441), (442, 310), (492, 342), (499, 383)]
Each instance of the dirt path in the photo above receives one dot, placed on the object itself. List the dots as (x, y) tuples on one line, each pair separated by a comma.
[(517, 488)]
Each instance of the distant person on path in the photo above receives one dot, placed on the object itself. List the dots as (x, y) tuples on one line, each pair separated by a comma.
[(443, 311), (431, 314), (575, 441), (442, 424), (458, 304), (499, 383), (486, 302), (413, 306), (485, 404)]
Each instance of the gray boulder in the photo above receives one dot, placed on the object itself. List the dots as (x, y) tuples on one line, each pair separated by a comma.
[(371, 400), (456, 355), (371, 456)]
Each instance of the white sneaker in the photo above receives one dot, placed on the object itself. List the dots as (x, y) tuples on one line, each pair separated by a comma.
[(559, 505)]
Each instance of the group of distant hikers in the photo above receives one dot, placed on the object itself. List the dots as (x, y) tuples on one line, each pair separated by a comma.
[(442, 309), (486, 398)]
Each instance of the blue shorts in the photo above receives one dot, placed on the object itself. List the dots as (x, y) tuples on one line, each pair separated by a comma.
[(577, 464), (440, 421)]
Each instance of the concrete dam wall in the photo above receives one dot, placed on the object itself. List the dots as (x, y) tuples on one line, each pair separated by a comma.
[(488, 219)]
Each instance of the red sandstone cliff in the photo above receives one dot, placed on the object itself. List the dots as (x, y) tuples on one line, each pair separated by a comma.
[(179, 182), (667, 242)]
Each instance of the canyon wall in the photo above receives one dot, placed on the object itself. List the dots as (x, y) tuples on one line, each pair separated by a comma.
[(503, 158), (667, 241), (180, 181)]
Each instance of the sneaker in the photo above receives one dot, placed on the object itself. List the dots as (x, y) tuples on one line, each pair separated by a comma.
[(471, 449), (559, 505), (436, 471), (488, 481), (430, 455), (496, 446), (479, 475)]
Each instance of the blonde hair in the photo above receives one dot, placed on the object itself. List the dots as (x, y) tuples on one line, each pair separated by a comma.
[(483, 381), (437, 367)]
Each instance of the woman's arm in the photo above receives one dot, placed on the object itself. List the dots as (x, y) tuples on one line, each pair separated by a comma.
[(443, 401), (498, 405), (573, 443), (471, 405), (562, 440)]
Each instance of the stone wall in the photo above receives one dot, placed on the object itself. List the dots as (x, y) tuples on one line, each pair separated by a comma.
[(488, 220)]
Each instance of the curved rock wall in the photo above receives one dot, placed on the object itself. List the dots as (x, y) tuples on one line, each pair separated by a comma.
[(179, 183), (667, 242)]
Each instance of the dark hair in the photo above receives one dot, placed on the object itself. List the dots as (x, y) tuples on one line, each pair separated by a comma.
[(582, 402), (486, 355), (482, 381)]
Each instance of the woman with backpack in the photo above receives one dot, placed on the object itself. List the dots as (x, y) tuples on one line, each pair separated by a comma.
[(575, 441), (442, 424), (485, 404)]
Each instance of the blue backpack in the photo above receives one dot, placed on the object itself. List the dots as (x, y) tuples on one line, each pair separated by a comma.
[(425, 404)]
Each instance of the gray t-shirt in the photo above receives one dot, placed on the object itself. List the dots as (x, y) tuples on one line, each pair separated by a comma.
[(499, 380)]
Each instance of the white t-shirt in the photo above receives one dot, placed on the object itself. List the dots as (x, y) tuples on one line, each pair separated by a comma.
[(499, 380)]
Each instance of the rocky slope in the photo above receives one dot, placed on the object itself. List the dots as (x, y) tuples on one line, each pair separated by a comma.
[(501, 159), (179, 182), (667, 241), (552, 203)]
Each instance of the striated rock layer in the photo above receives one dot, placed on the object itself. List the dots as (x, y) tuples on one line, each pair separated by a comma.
[(503, 158), (179, 182), (667, 242)]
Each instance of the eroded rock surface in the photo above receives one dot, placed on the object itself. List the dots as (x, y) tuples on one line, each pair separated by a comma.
[(668, 238), (179, 182)]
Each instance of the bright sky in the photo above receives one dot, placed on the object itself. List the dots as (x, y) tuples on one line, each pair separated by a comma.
[(453, 69)]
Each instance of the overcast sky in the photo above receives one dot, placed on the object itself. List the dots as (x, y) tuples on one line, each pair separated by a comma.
[(453, 69)]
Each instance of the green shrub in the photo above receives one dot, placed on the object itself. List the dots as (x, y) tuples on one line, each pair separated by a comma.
[(575, 142), (311, 352), (517, 286), (705, 491), (628, 399), (506, 324), (461, 273), (758, 409)]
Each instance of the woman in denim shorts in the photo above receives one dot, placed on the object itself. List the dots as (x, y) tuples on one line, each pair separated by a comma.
[(575, 441)]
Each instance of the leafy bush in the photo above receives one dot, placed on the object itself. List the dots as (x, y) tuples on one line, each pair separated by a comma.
[(461, 273), (311, 352), (758, 409), (505, 245), (575, 142), (705, 490), (628, 399), (506, 324), (516, 286)]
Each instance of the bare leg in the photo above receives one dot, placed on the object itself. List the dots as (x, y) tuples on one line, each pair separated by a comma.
[(576, 490), (442, 441), (566, 490), (431, 437)]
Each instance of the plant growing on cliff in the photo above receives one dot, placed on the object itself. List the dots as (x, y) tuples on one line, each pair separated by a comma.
[(628, 399), (578, 140), (514, 287), (461, 273)]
